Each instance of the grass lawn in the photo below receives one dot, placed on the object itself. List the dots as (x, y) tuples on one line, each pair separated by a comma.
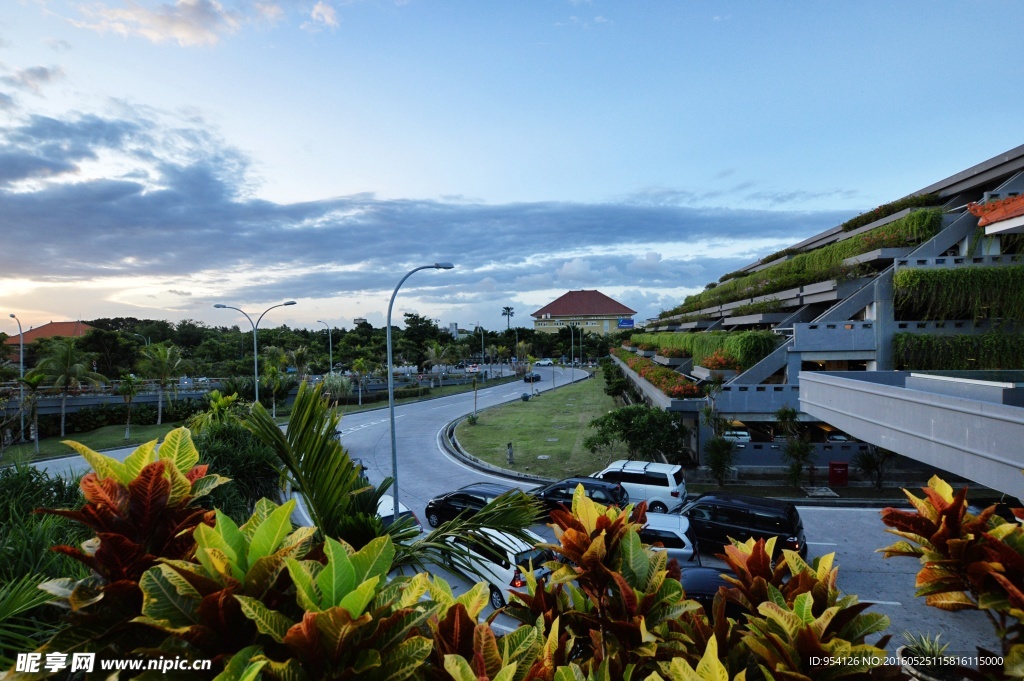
[(552, 424), (108, 437)]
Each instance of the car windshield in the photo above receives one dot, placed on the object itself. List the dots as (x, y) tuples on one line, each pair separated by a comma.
[(538, 556)]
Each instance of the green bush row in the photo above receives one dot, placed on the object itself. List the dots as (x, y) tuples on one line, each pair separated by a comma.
[(748, 347), (820, 264), (922, 352), (88, 419), (960, 293)]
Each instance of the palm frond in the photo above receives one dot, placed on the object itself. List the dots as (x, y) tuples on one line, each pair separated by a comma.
[(16, 599)]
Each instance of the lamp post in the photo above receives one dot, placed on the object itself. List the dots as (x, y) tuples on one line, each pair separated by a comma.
[(330, 345), (572, 348), (142, 337), (21, 374), (255, 357), (482, 351), (391, 375)]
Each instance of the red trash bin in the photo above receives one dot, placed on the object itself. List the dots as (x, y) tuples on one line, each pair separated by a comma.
[(838, 474)]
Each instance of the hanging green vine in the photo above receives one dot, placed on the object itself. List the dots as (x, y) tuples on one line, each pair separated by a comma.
[(820, 264), (959, 293), (922, 352)]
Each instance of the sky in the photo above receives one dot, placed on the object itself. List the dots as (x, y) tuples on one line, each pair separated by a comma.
[(161, 156)]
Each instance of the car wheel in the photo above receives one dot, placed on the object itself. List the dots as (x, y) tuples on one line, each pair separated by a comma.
[(658, 507), (497, 599), (433, 520)]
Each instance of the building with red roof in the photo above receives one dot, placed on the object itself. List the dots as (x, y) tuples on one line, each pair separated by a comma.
[(590, 311), (51, 330)]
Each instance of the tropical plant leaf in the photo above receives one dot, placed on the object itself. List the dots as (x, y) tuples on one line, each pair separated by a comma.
[(270, 533), (269, 622), (105, 466), (168, 598), (178, 448)]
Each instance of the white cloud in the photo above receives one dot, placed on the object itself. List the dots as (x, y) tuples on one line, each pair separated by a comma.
[(324, 14), (650, 263), (33, 78), (186, 22)]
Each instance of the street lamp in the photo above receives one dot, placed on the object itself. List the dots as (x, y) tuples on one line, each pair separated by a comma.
[(330, 345), (255, 357), (21, 374), (482, 352), (391, 375), (144, 337), (572, 348)]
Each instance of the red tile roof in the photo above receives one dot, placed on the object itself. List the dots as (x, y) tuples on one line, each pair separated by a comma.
[(583, 303), (997, 211), (49, 330)]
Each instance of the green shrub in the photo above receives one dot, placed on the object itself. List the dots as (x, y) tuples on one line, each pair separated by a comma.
[(748, 347), (252, 466)]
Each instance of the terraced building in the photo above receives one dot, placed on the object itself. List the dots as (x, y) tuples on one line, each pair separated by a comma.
[(901, 328)]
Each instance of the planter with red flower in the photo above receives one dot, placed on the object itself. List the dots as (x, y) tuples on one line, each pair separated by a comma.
[(674, 357), (646, 349), (717, 366)]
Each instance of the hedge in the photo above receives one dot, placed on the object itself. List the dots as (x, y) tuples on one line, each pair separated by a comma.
[(820, 264), (922, 352), (748, 347)]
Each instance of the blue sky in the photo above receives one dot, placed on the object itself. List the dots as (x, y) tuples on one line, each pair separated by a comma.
[(160, 156)]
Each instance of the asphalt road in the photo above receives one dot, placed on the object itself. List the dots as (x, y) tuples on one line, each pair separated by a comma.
[(425, 470)]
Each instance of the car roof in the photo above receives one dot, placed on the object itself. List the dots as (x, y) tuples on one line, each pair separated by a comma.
[(665, 521), (510, 543), (763, 503), (703, 579), (626, 465), (386, 506), (491, 487)]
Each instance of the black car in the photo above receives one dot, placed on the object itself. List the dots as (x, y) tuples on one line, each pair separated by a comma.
[(560, 493), (468, 500), (702, 583), (717, 516), (532, 377)]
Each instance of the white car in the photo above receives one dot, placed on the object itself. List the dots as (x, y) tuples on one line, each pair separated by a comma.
[(501, 558), (385, 509), (543, 363), (661, 485), (675, 537)]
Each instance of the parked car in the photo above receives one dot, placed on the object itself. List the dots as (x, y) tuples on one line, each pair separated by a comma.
[(661, 485), (702, 583), (717, 516), (473, 369), (672, 533), (467, 500), (737, 435), (386, 511), (560, 493), (531, 377), (501, 558), (543, 363)]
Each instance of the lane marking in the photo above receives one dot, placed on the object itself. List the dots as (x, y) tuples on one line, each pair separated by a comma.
[(897, 603), (822, 543)]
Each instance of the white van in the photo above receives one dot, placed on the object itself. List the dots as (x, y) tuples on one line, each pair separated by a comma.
[(661, 485)]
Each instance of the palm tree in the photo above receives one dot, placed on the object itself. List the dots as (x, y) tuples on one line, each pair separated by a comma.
[(508, 312), (492, 352), (299, 358), (221, 409), (361, 368), (342, 506), (33, 385), (436, 356), (128, 388), (68, 368), (162, 362)]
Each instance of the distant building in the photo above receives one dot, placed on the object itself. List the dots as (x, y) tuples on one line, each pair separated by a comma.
[(591, 311), (51, 330), (358, 320)]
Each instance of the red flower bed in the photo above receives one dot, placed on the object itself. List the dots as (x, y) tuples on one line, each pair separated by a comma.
[(719, 361), (664, 379), (673, 352)]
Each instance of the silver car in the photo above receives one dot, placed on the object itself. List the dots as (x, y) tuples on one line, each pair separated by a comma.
[(673, 534)]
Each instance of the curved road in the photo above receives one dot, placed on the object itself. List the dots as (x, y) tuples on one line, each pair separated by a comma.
[(424, 469)]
